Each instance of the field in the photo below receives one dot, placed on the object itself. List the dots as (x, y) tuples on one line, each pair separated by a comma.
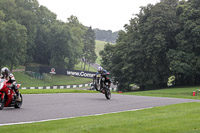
[(99, 46), (87, 67), (50, 80), (178, 92), (180, 118)]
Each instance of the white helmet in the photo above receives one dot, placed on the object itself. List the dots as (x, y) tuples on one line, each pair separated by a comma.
[(5, 71), (100, 69)]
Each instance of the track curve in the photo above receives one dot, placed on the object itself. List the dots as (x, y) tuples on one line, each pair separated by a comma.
[(39, 107)]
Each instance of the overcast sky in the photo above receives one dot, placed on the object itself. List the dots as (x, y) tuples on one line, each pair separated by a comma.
[(102, 14)]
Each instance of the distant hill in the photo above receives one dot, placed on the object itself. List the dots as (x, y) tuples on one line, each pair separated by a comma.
[(106, 35)]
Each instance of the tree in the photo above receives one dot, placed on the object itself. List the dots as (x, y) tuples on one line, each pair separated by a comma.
[(61, 45), (78, 32), (2, 25), (89, 54), (48, 40), (140, 55), (114, 60), (13, 44), (157, 27), (26, 14), (185, 59), (9, 8), (45, 20), (107, 36)]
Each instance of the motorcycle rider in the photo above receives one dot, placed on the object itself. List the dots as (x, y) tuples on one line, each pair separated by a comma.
[(103, 72), (6, 74)]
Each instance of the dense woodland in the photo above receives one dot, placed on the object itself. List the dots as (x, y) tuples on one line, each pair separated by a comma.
[(106, 35), (30, 33), (160, 42)]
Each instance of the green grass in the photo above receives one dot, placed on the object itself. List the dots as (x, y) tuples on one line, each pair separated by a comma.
[(99, 46), (180, 92), (44, 91), (87, 68), (51, 80), (180, 118)]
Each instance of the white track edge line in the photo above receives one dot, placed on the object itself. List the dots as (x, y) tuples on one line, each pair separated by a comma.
[(29, 122)]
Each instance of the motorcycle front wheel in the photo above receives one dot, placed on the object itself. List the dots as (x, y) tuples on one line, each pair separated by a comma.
[(19, 104), (2, 102)]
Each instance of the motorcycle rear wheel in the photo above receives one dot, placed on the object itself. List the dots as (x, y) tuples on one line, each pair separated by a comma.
[(19, 104), (107, 93)]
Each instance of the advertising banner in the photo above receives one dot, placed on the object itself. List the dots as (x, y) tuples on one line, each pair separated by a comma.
[(61, 71)]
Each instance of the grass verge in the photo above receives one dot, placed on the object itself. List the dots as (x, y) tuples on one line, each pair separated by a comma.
[(51, 80), (44, 91), (180, 92), (180, 118)]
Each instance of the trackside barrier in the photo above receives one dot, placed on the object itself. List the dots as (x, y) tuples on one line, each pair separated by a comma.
[(63, 87), (57, 87)]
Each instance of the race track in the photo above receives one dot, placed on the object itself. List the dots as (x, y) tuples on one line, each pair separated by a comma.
[(55, 106)]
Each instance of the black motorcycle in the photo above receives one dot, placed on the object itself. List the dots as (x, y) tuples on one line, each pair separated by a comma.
[(101, 84)]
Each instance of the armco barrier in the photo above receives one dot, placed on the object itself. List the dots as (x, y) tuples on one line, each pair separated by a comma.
[(58, 87), (63, 87)]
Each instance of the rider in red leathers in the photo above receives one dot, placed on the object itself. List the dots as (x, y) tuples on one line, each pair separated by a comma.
[(6, 74)]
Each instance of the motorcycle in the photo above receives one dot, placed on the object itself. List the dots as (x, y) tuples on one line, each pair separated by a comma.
[(101, 85), (8, 96)]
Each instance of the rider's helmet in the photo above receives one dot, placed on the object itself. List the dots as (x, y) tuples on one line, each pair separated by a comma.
[(5, 71), (100, 69)]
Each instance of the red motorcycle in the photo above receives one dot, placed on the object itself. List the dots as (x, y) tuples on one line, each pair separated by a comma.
[(8, 96)]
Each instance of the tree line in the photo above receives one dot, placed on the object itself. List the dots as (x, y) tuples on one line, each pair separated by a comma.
[(30, 33), (161, 41), (106, 35)]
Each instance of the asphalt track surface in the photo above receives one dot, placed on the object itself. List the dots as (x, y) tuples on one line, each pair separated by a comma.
[(42, 107)]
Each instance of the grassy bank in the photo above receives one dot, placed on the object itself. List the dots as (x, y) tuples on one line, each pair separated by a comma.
[(181, 118), (80, 66), (98, 48), (44, 91), (50, 80), (178, 92)]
